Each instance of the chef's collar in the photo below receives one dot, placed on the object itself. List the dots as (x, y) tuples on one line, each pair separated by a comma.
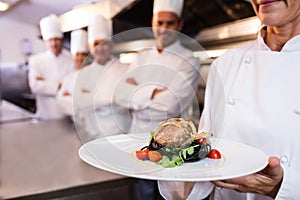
[(171, 48), (292, 45)]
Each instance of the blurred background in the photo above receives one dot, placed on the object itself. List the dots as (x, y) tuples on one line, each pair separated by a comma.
[(215, 24)]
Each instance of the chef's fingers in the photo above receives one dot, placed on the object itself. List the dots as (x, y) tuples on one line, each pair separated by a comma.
[(274, 169), (227, 185)]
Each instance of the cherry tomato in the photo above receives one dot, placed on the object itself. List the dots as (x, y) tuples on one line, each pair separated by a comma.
[(142, 154), (214, 154), (201, 140), (154, 156)]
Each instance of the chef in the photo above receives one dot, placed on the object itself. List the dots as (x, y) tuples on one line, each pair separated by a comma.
[(48, 69), (253, 97), (96, 82), (79, 51), (162, 80)]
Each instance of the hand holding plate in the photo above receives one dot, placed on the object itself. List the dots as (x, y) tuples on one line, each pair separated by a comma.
[(266, 182)]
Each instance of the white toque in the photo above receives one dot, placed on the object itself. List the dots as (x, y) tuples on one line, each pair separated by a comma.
[(175, 6), (50, 27), (79, 41), (99, 28)]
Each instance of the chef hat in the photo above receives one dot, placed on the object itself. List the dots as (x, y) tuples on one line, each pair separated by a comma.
[(99, 28), (79, 41), (50, 27), (174, 6)]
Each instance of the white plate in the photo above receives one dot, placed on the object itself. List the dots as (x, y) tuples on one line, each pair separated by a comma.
[(116, 154)]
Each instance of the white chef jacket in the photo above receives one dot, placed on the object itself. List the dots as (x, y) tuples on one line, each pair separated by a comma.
[(53, 69), (68, 85), (175, 70), (253, 97), (102, 116)]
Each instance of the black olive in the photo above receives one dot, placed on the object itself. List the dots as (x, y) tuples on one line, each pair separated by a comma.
[(145, 147), (200, 152), (154, 145)]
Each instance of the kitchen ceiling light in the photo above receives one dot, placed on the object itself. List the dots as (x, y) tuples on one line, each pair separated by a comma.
[(3, 6)]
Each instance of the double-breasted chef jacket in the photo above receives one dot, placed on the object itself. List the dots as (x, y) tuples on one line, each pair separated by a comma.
[(103, 117), (173, 70), (53, 69), (253, 97)]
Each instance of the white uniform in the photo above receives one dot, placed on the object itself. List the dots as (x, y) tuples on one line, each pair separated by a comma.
[(66, 102), (256, 93), (78, 44), (53, 69), (102, 116), (175, 70)]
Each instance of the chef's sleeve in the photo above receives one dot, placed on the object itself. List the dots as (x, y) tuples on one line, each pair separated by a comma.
[(44, 87), (65, 103), (179, 93)]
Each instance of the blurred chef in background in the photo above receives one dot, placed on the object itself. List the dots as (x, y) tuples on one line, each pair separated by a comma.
[(79, 48), (48, 69), (162, 80), (96, 82), (79, 51)]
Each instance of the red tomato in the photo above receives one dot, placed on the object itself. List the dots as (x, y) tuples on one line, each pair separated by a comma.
[(142, 154), (214, 154), (154, 156), (201, 140)]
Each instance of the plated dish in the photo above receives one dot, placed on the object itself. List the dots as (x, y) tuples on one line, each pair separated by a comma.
[(116, 154)]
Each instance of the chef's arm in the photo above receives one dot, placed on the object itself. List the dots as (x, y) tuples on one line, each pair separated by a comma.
[(133, 96), (65, 100), (179, 94), (65, 103), (63, 91), (39, 86)]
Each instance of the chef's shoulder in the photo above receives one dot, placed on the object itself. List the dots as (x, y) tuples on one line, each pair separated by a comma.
[(66, 53), (37, 58), (229, 63), (233, 57), (187, 58), (184, 51)]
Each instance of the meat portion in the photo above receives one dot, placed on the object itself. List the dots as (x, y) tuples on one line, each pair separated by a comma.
[(175, 132)]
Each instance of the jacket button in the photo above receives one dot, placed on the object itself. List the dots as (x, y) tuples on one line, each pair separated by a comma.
[(248, 60), (284, 160), (231, 101)]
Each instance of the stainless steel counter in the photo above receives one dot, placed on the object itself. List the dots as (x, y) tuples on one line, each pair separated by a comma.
[(10, 113), (40, 157)]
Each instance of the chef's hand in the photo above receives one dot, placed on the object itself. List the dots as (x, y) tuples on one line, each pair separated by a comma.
[(266, 182), (39, 78), (59, 86), (156, 92), (131, 80), (66, 93), (85, 91)]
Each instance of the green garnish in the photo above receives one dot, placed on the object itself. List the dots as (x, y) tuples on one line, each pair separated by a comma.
[(177, 159), (167, 162)]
